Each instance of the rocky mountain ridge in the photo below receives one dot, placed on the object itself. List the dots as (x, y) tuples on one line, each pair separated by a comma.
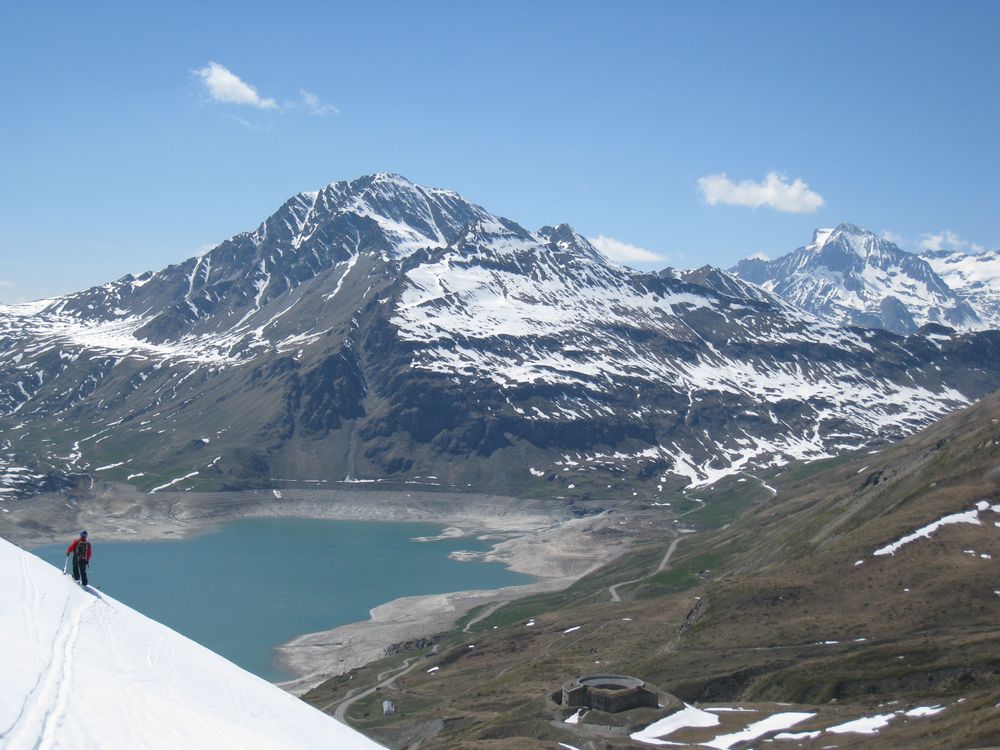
[(854, 277), (377, 330)]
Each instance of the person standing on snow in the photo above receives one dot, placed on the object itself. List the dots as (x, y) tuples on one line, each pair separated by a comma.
[(80, 549)]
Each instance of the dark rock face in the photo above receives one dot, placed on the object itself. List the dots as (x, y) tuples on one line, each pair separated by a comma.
[(380, 330), (332, 391)]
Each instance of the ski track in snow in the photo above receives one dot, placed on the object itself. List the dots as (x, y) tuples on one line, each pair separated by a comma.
[(83, 671), (46, 704)]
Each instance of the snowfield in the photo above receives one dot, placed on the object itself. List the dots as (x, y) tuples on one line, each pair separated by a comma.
[(82, 670)]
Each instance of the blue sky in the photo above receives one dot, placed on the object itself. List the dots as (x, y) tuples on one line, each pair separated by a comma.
[(620, 118)]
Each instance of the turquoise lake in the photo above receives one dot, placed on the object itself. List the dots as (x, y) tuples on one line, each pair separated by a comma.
[(252, 584)]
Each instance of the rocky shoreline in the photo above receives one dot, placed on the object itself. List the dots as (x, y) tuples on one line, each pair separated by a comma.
[(557, 556)]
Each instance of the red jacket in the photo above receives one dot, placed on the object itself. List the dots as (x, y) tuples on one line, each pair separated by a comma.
[(72, 547)]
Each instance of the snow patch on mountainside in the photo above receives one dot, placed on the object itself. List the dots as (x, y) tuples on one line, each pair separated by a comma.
[(522, 324), (969, 516), (115, 338), (83, 671)]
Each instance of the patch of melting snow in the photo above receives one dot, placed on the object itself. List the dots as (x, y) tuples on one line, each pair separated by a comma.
[(570, 630), (924, 711), (173, 482), (689, 716), (759, 728), (798, 735), (575, 718), (568, 747), (864, 725), (529, 624), (969, 516), (433, 669)]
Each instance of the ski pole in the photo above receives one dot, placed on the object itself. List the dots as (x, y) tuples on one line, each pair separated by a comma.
[(65, 564)]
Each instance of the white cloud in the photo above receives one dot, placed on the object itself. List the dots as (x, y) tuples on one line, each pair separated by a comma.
[(623, 252), (894, 238), (315, 106), (948, 240), (774, 191), (760, 256), (4, 284), (226, 87)]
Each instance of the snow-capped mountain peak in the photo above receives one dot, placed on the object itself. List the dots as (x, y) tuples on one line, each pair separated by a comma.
[(408, 216), (378, 328), (853, 276), (820, 236), (850, 239)]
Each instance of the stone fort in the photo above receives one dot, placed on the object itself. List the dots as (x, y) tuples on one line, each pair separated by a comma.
[(609, 692)]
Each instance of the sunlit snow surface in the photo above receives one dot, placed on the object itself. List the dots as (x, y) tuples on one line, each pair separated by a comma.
[(969, 516), (689, 716), (975, 276), (511, 324), (848, 273), (83, 671), (864, 725), (759, 728)]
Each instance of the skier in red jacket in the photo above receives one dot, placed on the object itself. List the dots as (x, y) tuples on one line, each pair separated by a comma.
[(80, 549)]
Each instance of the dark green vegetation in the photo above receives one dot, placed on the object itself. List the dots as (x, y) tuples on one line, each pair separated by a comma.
[(763, 603)]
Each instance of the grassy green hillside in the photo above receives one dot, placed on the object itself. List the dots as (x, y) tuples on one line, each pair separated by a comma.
[(765, 599)]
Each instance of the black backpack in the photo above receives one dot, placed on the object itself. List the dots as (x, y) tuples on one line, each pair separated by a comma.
[(82, 548)]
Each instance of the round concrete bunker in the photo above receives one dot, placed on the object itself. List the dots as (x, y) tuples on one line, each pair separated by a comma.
[(609, 692)]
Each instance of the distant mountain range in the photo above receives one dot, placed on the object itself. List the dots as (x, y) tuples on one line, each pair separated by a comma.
[(974, 277), (854, 277), (377, 330)]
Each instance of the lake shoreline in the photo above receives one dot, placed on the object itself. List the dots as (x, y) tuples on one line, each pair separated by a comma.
[(556, 542), (557, 556)]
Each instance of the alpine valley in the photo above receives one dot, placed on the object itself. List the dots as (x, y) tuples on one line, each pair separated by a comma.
[(769, 493)]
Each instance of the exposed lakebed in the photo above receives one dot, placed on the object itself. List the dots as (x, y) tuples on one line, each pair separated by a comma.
[(251, 584)]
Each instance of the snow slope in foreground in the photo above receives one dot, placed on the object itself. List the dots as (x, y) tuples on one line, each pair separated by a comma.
[(81, 670)]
